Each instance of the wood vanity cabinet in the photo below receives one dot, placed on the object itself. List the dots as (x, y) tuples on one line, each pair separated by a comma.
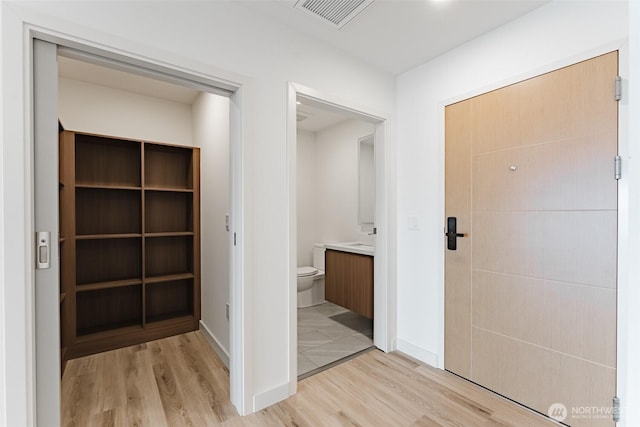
[(349, 281)]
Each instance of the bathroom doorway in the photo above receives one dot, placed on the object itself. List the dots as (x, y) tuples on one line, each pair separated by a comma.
[(339, 284), (335, 236)]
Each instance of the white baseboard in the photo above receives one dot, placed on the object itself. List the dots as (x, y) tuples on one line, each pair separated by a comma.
[(222, 353), (426, 356), (270, 397)]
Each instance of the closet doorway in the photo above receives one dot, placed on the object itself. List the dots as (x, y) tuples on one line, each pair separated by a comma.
[(147, 132)]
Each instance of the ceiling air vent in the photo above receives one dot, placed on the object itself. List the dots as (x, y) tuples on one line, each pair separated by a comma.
[(337, 13)]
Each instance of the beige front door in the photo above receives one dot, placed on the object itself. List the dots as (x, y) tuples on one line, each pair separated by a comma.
[(530, 291)]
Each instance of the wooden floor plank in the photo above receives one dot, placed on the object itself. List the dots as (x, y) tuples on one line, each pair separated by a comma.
[(179, 381)]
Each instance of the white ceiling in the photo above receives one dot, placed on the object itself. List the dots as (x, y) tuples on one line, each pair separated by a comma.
[(103, 76), (317, 119), (397, 35), (394, 35)]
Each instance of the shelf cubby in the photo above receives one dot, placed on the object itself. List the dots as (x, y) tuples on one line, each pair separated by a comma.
[(106, 260), (165, 300), (100, 211), (168, 212), (168, 255), (107, 161), (107, 309), (168, 167)]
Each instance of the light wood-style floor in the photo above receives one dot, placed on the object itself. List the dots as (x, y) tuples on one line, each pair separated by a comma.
[(179, 381)]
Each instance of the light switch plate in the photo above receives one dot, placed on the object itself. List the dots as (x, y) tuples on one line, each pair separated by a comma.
[(414, 223)]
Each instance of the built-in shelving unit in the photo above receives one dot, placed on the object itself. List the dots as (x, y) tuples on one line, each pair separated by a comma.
[(131, 244), (65, 218)]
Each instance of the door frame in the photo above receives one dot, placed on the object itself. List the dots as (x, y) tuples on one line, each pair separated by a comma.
[(241, 384), (627, 247), (384, 295)]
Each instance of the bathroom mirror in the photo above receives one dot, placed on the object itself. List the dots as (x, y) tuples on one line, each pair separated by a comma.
[(366, 181)]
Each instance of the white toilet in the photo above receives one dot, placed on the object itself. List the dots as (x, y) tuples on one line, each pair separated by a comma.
[(311, 280)]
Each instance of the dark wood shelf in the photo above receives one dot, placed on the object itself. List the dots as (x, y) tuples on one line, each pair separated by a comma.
[(130, 335), (109, 329), (169, 321), (169, 189), (108, 187), (96, 334), (66, 196), (177, 315), (108, 236), (130, 268), (168, 278), (170, 234), (108, 285)]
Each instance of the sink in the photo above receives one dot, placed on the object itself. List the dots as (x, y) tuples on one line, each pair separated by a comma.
[(353, 247)]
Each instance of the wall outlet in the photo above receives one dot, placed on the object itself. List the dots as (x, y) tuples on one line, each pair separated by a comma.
[(227, 310)]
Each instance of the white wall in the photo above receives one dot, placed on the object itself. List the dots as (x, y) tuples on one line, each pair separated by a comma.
[(3, 321), (86, 107), (307, 199), (221, 39), (211, 134), (327, 186), (554, 35), (337, 181)]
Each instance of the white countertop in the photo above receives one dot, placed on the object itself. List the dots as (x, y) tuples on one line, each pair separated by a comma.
[(353, 247)]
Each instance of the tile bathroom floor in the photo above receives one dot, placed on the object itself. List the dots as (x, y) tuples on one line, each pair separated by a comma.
[(328, 333)]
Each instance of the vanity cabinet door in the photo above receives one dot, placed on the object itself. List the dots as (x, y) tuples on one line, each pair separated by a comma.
[(359, 289), (349, 281), (336, 266)]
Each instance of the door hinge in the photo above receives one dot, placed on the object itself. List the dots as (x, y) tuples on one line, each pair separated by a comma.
[(618, 88), (618, 167), (234, 239), (615, 413)]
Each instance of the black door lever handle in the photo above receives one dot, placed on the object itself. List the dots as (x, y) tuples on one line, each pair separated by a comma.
[(452, 233)]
